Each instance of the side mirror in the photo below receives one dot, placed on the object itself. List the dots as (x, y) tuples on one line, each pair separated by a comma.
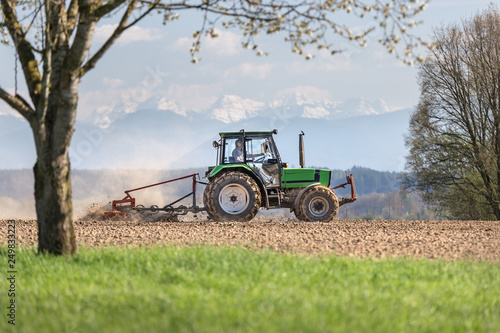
[(215, 144)]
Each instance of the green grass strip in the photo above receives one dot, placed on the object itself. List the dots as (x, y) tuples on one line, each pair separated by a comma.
[(214, 289)]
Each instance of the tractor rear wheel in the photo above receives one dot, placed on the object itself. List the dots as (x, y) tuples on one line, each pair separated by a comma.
[(234, 196), (317, 203)]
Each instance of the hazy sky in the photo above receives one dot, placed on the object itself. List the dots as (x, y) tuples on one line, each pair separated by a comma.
[(153, 59)]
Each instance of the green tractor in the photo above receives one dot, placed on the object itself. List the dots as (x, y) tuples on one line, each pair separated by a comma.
[(250, 174)]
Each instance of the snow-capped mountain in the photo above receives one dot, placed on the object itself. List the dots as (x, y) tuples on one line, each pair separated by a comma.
[(164, 139), (232, 108), (167, 130), (292, 103), (300, 96), (354, 107)]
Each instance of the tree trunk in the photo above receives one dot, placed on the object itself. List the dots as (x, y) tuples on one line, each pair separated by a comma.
[(53, 197), (54, 206)]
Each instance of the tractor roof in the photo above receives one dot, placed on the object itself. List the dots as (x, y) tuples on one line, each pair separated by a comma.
[(249, 133)]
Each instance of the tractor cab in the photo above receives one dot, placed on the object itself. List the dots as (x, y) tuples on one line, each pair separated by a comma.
[(255, 151)]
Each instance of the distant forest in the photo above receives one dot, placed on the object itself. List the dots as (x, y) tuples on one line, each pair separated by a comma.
[(369, 181), (379, 195)]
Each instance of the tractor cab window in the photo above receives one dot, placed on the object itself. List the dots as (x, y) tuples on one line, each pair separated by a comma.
[(260, 156), (233, 150)]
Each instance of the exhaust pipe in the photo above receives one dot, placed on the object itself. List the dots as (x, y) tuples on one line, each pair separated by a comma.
[(301, 150)]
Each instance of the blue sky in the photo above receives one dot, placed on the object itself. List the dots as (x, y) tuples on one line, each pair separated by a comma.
[(152, 59)]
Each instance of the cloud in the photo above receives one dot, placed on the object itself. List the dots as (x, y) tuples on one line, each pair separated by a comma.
[(256, 71), (105, 100), (226, 44), (324, 62), (183, 43), (5, 109), (455, 3), (380, 54), (112, 83), (131, 35), (104, 105), (194, 97)]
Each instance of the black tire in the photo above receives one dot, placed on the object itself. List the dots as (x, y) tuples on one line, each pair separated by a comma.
[(233, 196), (206, 193), (317, 203)]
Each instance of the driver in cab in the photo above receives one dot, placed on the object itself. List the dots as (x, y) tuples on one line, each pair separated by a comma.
[(238, 152)]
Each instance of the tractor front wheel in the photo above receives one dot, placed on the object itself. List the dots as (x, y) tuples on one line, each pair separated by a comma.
[(317, 203), (234, 196)]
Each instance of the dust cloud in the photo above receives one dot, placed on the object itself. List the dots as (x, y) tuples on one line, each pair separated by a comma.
[(94, 190), (12, 208)]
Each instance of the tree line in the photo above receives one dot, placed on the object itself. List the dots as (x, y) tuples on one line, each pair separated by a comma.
[(369, 181), (395, 205)]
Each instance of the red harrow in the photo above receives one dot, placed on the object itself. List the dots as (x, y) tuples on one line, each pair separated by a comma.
[(127, 204)]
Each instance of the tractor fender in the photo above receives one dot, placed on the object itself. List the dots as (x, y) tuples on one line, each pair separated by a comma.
[(297, 199), (248, 171)]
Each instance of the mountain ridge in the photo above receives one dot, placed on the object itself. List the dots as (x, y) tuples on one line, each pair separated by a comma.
[(233, 108), (166, 139)]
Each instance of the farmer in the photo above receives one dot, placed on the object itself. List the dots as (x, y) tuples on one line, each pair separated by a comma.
[(238, 151)]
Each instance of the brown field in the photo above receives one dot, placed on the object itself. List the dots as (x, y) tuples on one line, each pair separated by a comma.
[(449, 240)]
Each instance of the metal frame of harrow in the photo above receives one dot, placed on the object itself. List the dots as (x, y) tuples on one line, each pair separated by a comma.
[(129, 202)]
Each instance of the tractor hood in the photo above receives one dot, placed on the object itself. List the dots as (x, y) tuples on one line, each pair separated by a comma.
[(291, 178)]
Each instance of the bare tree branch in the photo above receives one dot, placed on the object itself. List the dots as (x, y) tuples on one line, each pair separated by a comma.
[(122, 26), (19, 104), (43, 104), (108, 8), (24, 50), (83, 37)]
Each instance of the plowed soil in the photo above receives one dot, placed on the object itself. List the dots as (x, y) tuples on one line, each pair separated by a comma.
[(449, 240)]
